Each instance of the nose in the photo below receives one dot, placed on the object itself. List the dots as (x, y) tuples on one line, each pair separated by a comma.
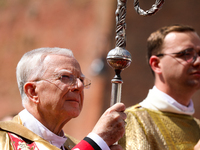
[(197, 60), (79, 82), (78, 85)]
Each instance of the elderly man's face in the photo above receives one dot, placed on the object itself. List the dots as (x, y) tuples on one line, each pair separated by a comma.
[(57, 96)]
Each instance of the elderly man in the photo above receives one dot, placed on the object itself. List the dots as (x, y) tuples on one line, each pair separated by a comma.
[(164, 119), (51, 85)]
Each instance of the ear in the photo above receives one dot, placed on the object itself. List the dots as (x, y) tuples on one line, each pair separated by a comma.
[(154, 62), (30, 90)]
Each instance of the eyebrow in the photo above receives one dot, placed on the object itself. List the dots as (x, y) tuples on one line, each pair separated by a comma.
[(65, 70), (182, 51)]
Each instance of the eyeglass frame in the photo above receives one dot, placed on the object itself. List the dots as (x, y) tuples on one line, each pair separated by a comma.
[(183, 53), (73, 82)]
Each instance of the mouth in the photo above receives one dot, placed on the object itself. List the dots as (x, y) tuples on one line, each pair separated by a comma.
[(196, 73), (73, 100)]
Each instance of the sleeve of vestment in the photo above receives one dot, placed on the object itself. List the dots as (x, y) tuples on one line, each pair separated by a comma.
[(92, 142), (86, 144)]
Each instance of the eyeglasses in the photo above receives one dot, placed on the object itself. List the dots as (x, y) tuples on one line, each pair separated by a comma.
[(69, 79), (190, 55), (72, 80)]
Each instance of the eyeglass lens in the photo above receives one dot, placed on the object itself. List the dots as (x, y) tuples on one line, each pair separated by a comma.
[(191, 55), (72, 80)]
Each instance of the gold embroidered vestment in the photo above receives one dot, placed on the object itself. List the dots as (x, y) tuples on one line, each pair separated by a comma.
[(155, 130), (15, 127)]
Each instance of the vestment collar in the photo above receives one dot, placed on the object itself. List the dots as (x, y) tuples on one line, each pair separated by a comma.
[(158, 100), (30, 122)]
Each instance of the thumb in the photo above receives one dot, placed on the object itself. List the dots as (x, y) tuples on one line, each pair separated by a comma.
[(116, 147), (119, 107)]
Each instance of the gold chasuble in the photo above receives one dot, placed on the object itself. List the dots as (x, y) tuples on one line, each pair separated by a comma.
[(14, 136), (148, 129)]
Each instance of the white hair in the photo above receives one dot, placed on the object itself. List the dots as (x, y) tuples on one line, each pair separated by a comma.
[(30, 67)]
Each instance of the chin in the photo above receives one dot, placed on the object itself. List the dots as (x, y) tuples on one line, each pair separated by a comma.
[(195, 84), (75, 113), (73, 110)]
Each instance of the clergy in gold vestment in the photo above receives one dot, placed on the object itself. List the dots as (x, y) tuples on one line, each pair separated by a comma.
[(163, 120), (52, 85), (156, 125)]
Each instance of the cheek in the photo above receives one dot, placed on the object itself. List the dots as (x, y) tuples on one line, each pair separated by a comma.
[(48, 100), (49, 94), (82, 99), (176, 72), (63, 88)]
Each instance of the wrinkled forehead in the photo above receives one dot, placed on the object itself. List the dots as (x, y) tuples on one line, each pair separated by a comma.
[(57, 63)]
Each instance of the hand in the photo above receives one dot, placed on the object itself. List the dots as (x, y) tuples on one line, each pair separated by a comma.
[(111, 125), (116, 147), (197, 146)]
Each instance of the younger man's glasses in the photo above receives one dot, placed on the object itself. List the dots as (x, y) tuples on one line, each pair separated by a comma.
[(190, 55)]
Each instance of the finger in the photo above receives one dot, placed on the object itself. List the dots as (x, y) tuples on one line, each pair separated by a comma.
[(119, 107), (122, 115), (197, 146), (116, 147), (115, 115)]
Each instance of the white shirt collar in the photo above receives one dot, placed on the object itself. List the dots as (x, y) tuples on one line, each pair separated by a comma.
[(30, 122), (172, 101), (159, 100)]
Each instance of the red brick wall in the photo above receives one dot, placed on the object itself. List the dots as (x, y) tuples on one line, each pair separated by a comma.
[(88, 28), (83, 26)]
